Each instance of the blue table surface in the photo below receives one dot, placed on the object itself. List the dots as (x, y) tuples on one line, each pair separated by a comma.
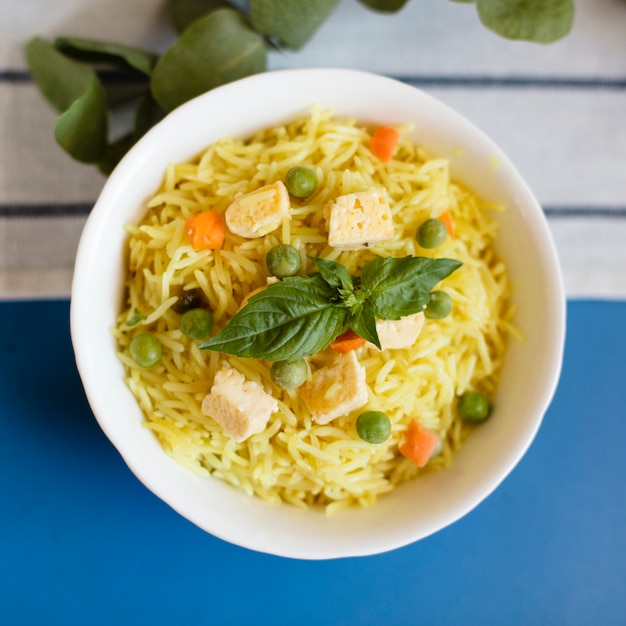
[(83, 542)]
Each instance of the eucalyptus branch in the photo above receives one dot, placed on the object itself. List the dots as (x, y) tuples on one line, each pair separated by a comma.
[(217, 43)]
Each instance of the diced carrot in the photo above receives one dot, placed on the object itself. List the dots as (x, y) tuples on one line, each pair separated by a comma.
[(206, 230), (347, 341), (419, 443), (383, 142), (446, 218)]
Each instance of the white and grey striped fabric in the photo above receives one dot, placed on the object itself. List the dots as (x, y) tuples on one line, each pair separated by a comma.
[(559, 111)]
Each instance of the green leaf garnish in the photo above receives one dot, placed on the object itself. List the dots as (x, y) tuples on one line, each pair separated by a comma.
[(397, 287), (136, 318), (385, 6), (183, 13), (93, 50), (214, 50), (290, 22), (301, 315), (287, 320), (335, 274), (76, 91), (541, 21)]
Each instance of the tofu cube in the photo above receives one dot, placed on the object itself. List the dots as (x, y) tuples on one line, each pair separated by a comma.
[(259, 212), (358, 220), (240, 406), (402, 333), (336, 389)]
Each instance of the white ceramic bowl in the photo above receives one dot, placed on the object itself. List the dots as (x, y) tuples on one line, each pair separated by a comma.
[(416, 509)]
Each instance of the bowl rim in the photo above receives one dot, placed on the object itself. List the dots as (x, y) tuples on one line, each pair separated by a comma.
[(134, 160)]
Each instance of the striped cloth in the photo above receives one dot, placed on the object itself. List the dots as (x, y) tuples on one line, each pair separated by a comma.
[(559, 111)]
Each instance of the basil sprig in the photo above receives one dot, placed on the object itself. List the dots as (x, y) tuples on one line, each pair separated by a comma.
[(301, 315)]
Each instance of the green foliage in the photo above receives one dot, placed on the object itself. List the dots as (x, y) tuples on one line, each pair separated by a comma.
[(290, 22), (77, 93), (218, 43), (301, 315), (102, 51), (183, 13), (216, 49), (384, 6), (541, 21)]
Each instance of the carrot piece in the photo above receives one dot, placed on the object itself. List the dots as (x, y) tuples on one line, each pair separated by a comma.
[(347, 341), (383, 142), (446, 218), (206, 230), (419, 443)]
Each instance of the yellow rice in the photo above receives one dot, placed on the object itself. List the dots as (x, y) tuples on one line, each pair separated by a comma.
[(294, 460)]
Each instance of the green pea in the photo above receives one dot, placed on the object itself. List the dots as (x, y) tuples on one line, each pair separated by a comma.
[(432, 233), (289, 374), (373, 426), (439, 305), (283, 260), (196, 323), (473, 407), (301, 182), (145, 350)]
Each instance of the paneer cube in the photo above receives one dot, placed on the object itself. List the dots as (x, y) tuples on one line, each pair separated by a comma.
[(336, 389), (402, 333), (358, 220), (240, 406), (259, 212)]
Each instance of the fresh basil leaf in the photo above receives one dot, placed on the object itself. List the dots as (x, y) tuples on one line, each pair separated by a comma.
[(541, 21), (401, 286), (291, 22), (365, 326), (183, 13), (214, 50), (385, 6), (286, 321), (335, 274), (94, 50)]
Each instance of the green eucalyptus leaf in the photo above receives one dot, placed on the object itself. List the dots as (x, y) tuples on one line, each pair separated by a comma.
[(147, 115), (541, 21), (286, 321), (214, 50), (61, 80), (114, 154), (464, 1), (76, 91), (291, 22), (102, 51), (82, 129), (397, 287), (384, 6), (183, 13)]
